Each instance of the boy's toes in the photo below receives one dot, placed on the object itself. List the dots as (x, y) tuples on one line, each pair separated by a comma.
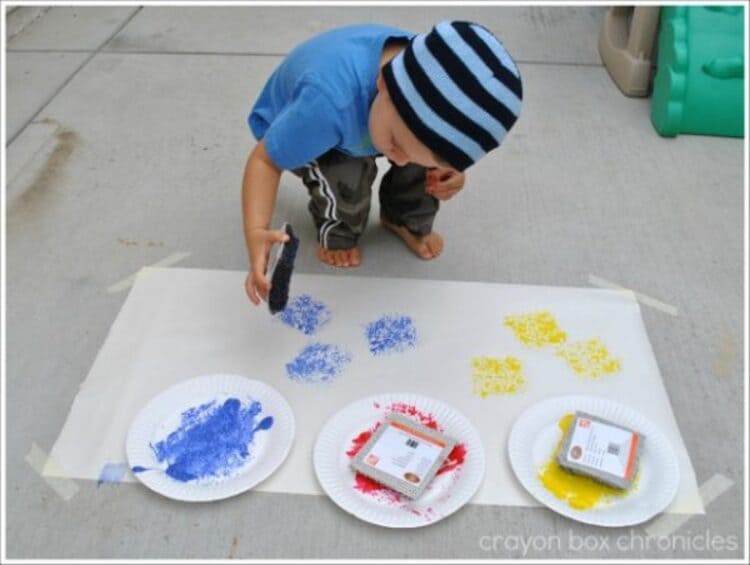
[(425, 247), (340, 257), (435, 243), (430, 246), (325, 256), (349, 257), (424, 251), (328, 257)]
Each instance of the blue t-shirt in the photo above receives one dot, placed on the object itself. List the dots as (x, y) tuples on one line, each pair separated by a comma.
[(319, 97)]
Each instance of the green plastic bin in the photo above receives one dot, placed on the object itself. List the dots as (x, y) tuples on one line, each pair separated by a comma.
[(699, 83)]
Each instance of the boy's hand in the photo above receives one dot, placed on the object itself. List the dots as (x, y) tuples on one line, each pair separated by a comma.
[(443, 184), (260, 241)]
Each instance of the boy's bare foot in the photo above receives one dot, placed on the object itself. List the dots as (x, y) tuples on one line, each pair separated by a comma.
[(424, 246), (340, 257)]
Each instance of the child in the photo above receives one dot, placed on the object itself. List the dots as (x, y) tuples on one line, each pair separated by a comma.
[(433, 104)]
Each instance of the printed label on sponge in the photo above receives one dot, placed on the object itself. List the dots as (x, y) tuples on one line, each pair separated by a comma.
[(603, 447), (404, 453)]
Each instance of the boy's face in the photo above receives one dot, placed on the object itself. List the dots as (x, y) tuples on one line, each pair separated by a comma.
[(393, 138)]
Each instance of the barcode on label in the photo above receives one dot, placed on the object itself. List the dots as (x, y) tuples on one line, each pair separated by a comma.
[(613, 449), (412, 443)]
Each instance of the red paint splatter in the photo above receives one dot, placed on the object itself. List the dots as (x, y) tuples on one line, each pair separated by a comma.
[(424, 418), (456, 457), (367, 485), (359, 442)]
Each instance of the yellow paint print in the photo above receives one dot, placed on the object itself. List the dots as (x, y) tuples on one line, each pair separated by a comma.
[(589, 358), (581, 493), (536, 329), (494, 375)]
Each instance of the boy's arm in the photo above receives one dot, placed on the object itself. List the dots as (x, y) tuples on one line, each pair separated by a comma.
[(259, 187)]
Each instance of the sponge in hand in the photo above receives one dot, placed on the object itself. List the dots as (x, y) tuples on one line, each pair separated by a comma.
[(281, 271)]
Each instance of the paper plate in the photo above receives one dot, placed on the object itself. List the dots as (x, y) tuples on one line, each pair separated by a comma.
[(178, 425), (536, 434), (447, 492)]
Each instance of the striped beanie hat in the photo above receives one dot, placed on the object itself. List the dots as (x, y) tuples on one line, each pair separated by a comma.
[(457, 89)]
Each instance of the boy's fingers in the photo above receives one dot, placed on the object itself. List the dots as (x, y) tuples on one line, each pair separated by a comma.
[(443, 189), (280, 235), (250, 290), (260, 292), (260, 285), (445, 194), (263, 295), (253, 295), (263, 286), (453, 182)]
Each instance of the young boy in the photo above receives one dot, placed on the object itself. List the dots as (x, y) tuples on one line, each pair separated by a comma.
[(433, 104)]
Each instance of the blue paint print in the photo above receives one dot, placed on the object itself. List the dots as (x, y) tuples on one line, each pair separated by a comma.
[(391, 333), (112, 473), (212, 441), (305, 314), (318, 363)]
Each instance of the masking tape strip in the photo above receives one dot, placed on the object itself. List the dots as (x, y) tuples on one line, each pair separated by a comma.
[(166, 262), (709, 491), (725, 358), (642, 298), (44, 465)]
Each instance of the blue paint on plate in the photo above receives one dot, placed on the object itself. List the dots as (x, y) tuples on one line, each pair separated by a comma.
[(212, 441), (112, 473), (318, 363), (305, 314), (391, 333)]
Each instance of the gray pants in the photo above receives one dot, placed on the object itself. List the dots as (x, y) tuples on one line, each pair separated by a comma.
[(340, 187)]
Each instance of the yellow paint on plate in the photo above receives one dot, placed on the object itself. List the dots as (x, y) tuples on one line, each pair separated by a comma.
[(496, 375), (589, 358), (581, 493), (536, 329)]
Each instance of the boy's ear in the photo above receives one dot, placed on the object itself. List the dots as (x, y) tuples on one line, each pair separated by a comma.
[(380, 82)]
